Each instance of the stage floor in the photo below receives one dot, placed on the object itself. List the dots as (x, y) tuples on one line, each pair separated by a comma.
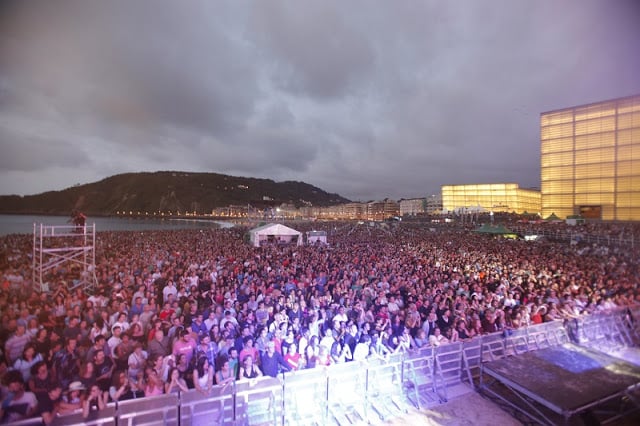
[(566, 378)]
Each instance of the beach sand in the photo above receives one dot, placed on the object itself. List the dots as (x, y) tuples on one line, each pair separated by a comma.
[(467, 409)]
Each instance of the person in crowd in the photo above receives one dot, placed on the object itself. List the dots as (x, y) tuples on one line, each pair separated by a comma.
[(66, 363), (437, 338), (249, 370), (18, 404), (153, 384), (71, 399), (14, 346), (310, 357), (136, 361), (95, 400), (208, 349), (137, 331), (248, 348), (198, 327), (87, 374), (41, 380), (224, 373), (104, 367), (293, 358), (42, 344), (361, 351), (114, 340), (271, 361), (99, 343), (122, 388), (175, 383), (49, 403), (324, 356), (28, 359), (203, 375), (159, 344), (340, 353), (185, 345), (185, 369)]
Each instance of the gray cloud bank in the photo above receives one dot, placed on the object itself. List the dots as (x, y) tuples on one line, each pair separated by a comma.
[(368, 99)]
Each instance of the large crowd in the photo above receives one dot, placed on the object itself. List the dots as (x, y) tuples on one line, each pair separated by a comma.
[(192, 309)]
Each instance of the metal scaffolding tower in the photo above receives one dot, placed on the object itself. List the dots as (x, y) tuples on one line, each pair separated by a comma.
[(68, 249)]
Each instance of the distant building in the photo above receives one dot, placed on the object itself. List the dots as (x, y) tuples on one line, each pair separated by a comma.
[(434, 204), (590, 160), (412, 206), (490, 197), (381, 210)]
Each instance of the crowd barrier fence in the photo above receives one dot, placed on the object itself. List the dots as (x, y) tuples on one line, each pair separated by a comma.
[(360, 391)]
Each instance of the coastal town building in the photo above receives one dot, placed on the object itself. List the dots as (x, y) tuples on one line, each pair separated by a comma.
[(413, 206)]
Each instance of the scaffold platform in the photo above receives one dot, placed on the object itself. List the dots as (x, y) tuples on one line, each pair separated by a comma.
[(64, 248)]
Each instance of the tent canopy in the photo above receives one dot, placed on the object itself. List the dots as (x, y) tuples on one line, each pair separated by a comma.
[(274, 232), (553, 218)]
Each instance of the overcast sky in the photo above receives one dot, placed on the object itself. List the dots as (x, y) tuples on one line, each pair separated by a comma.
[(367, 99)]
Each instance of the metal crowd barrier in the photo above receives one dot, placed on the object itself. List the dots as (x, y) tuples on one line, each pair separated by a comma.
[(472, 360), (347, 392), (363, 391), (607, 331), (216, 408), (106, 417), (492, 346), (385, 387), (632, 320), (448, 367), (306, 396), (419, 377), (161, 409), (259, 401)]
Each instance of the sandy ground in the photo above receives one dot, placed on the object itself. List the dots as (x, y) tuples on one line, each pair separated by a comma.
[(468, 409)]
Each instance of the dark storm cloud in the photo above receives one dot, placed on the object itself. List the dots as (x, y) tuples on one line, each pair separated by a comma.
[(36, 152), (369, 99), (313, 49)]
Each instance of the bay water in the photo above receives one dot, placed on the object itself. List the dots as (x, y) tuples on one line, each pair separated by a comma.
[(23, 224)]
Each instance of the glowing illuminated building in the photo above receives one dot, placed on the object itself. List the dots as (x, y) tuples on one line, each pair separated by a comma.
[(590, 160), (490, 197)]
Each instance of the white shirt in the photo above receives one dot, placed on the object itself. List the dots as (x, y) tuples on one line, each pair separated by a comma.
[(361, 352), (169, 289)]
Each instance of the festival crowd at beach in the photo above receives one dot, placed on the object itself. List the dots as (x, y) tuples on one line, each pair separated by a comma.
[(193, 309)]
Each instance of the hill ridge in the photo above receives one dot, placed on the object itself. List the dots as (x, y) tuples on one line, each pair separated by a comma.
[(169, 191)]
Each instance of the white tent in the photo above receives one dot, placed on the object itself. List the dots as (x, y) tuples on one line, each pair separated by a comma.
[(274, 232)]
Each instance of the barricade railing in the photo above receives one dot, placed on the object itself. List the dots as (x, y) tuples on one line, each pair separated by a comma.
[(385, 386), (154, 410), (472, 360), (419, 376), (347, 392), (492, 346), (305, 396), (215, 408), (259, 401), (106, 417), (448, 367), (355, 392), (633, 321), (606, 331), (548, 334), (518, 341)]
